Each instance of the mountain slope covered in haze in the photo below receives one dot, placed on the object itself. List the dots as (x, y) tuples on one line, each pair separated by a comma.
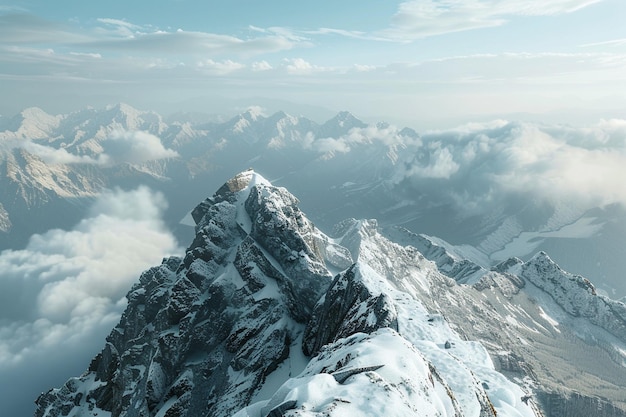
[(504, 188), (267, 315)]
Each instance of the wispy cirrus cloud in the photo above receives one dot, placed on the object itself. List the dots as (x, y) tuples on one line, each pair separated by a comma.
[(423, 18), (193, 42), (119, 35), (25, 28), (417, 19), (612, 42)]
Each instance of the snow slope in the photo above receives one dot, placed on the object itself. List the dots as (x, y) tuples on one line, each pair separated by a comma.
[(251, 322)]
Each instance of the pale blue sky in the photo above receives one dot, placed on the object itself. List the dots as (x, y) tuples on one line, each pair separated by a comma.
[(423, 61)]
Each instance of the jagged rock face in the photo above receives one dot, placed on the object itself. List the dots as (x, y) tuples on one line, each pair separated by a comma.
[(576, 295), (356, 335), (290, 238), (567, 405), (189, 341), (251, 323), (347, 308), (522, 330), (452, 265), (5, 222)]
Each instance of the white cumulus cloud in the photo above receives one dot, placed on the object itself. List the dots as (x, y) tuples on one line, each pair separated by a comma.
[(484, 164), (219, 67), (53, 156), (134, 147), (261, 66), (62, 294)]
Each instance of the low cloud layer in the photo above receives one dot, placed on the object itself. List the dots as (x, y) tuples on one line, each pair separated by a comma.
[(62, 294), (121, 146), (479, 165), (134, 147)]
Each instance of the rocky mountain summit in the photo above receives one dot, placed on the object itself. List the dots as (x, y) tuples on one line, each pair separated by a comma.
[(266, 315)]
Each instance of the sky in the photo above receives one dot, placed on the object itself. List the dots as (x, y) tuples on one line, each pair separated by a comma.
[(423, 63)]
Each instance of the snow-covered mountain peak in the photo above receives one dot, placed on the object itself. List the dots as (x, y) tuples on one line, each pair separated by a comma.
[(574, 294), (541, 266), (210, 327), (408, 132), (35, 113), (250, 322), (123, 109), (279, 115), (254, 113), (32, 123), (130, 118), (344, 117), (243, 181), (340, 125)]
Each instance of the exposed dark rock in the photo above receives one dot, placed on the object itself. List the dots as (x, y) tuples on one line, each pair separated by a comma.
[(193, 328), (279, 410), (575, 294), (201, 335), (342, 376), (576, 405), (348, 307)]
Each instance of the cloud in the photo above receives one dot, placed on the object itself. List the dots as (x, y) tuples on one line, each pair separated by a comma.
[(55, 156), (354, 34), (388, 136), (219, 68), (422, 18), (21, 28), (62, 294), (612, 42), (110, 37), (261, 66), (480, 166), (330, 146), (142, 40), (133, 147), (299, 66), (121, 27), (121, 146), (363, 68)]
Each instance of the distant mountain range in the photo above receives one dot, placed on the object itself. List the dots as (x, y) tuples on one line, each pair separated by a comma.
[(54, 165)]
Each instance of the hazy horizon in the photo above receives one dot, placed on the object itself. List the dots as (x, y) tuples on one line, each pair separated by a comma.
[(425, 64)]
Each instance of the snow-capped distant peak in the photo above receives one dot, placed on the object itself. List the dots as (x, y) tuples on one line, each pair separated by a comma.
[(255, 112), (33, 123)]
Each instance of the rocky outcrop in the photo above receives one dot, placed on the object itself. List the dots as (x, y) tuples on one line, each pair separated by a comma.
[(441, 253), (201, 334), (508, 284), (283, 231), (577, 405), (5, 222), (348, 307), (250, 323), (575, 294)]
